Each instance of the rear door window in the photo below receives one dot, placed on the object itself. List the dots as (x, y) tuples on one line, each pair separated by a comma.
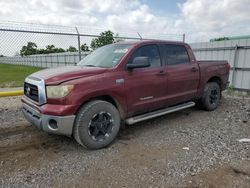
[(176, 54)]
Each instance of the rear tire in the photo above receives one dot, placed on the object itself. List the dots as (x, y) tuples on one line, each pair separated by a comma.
[(210, 99), (97, 124)]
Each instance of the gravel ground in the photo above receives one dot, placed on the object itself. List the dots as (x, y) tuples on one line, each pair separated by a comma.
[(190, 148)]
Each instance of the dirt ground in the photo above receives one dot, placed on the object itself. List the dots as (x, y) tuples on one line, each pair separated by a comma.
[(190, 148)]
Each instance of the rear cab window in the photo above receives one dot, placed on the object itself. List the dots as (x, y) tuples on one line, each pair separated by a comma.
[(176, 54)]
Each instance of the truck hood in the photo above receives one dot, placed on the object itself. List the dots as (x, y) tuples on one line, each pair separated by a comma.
[(63, 74)]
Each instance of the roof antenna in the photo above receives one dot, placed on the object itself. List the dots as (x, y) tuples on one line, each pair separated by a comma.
[(139, 35)]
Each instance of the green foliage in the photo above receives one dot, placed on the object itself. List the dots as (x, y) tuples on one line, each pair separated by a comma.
[(106, 37), (30, 49), (71, 49), (14, 75), (219, 39), (53, 49), (50, 49), (84, 47)]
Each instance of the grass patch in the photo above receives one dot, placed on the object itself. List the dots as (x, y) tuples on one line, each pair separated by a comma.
[(14, 75)]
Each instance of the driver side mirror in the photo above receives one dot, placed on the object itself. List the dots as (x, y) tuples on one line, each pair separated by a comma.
[(139, 62)]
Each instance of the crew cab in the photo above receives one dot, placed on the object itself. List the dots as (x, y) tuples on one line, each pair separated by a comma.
[(120, 83)]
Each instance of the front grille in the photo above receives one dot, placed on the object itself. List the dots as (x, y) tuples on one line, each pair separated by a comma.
[(31, 91)]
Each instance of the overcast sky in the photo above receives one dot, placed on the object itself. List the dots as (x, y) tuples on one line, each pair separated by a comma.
[(200, 20)]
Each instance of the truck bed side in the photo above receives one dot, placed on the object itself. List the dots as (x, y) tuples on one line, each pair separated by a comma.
[(213, 70)]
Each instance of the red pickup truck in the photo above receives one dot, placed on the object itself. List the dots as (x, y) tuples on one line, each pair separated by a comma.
[(125, 82)]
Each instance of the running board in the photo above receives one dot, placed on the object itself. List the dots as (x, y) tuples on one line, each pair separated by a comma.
[(157, 113)]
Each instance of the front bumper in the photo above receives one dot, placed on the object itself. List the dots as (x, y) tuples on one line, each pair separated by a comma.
[(53, 124)]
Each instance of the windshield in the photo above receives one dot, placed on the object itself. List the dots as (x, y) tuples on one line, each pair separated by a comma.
[(107, 56)]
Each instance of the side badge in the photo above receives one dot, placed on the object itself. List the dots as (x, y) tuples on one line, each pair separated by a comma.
[(119, 81)]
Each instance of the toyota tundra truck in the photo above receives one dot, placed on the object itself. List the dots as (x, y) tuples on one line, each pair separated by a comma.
[(121, 83)]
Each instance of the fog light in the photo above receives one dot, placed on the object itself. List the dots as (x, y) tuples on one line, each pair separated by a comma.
[(53, 124)]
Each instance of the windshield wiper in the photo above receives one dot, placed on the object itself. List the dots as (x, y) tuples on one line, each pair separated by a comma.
[(94, 66), (89, 65)]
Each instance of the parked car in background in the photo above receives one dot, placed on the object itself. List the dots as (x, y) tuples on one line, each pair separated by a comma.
[(122, 82)]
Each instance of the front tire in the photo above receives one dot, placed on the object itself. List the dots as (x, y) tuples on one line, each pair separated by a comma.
[(97, 124), (210, 99)]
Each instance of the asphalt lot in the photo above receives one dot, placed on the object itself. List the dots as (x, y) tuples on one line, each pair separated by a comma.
[(190, 148)]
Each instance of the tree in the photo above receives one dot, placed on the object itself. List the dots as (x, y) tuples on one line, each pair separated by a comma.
[(50, 49), (30, 49), (106, 37), (219, 39), (71, 49), (42, 51), (84, 47), (1, 55), (60, 50)]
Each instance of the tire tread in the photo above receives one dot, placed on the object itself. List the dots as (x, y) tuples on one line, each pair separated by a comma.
[(80, 115)]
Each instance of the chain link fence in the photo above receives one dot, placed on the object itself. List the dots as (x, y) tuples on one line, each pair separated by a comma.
[(67, 41)]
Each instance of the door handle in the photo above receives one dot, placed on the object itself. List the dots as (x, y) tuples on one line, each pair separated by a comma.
[(194, 69), (161, 73)]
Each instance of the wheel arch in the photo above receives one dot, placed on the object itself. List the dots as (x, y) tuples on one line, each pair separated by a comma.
[(107, 98), (216, 79)]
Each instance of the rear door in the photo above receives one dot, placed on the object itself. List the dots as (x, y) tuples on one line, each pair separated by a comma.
[(182, 74), (146, 87)]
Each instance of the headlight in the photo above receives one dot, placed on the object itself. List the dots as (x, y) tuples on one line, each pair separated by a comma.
[(58, 91)]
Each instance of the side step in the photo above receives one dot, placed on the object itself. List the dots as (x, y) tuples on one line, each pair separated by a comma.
[(157, 113)]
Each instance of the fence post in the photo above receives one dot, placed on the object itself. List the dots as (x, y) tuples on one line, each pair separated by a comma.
[(139, 35), (183, 37), (79, 44), (234, 64)]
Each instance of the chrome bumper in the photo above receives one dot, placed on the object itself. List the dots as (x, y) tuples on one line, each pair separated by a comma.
[(64, 124)]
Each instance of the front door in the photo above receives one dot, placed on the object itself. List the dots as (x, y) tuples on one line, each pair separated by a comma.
[(146, 87)]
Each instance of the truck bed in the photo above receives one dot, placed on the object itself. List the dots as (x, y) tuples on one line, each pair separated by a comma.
[(209, 69)]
